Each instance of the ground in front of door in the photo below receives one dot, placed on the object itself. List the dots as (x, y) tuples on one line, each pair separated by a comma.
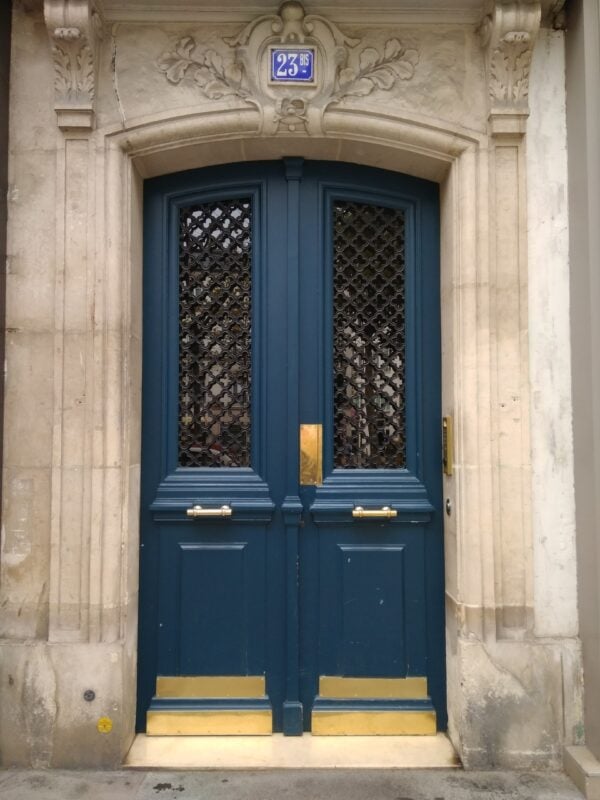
[(285, 785)]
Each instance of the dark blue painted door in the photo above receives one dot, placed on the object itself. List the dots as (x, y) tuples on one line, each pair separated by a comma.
[(278, 294)]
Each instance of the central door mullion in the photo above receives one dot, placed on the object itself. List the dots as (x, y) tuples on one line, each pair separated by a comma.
[(292, 507)]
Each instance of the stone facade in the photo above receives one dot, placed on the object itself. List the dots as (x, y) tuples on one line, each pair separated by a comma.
[(103, 96)]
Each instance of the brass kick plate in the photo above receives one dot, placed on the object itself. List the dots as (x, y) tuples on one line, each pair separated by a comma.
[(206, 722), (311, 455), (210, 686), (334, 686), (373, 723)]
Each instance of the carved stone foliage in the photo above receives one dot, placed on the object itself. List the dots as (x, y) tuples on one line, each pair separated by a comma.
[(215, 76), (509, 69), (508, 33), (376, 70), (238, 67), (74, 26)]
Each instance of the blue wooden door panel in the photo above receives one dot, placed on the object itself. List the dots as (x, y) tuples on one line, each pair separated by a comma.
[(377, 615), (215, 605), (212, 590), (291, 586), (371, 608)]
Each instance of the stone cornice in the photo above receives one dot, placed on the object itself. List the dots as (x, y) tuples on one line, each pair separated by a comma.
[(347, 12), (74, 28), (508, 33)]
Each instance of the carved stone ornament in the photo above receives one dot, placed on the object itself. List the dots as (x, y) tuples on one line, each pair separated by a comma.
[(239, 67), (74, 26), (508, 33)]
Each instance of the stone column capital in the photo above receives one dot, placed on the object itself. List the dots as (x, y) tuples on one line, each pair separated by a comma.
[(508, 33), (74, 28)]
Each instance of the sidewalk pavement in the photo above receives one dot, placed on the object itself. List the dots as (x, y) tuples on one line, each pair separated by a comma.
[(288, 784)]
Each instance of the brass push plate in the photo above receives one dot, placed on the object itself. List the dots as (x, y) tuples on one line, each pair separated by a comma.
[(311, 455)]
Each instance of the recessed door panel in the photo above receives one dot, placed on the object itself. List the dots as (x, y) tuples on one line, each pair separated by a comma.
[(220, 588), (372, 607), (291, 501)]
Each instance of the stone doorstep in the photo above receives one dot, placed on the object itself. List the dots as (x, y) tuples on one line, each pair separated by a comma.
[(584, 770), (286, 752)]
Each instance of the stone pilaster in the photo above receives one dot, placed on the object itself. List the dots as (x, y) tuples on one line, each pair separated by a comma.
[(508, 34), (85, 562)]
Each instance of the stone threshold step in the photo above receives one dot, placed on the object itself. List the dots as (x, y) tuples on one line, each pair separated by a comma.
[(286, 752)]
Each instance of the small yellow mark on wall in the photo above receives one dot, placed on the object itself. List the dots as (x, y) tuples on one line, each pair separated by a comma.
[(104, 725)]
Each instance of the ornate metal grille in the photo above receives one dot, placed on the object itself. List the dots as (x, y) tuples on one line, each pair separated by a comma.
[(215, 265), (369, 329)]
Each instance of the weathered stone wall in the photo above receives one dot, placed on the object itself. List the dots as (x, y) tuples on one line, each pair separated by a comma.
[(583, 107), (159, 96), (5, 31)]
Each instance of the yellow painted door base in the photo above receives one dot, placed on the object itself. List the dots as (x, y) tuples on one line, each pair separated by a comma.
[(373, 723), (338, 712), (336, 719), (335, 686), (215, 686), (210, 705), (208, 722)]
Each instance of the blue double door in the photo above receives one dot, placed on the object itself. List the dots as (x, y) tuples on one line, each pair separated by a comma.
[(291, 528)]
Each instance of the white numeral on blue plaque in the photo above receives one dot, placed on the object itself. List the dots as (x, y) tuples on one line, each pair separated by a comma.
[(292, 64)]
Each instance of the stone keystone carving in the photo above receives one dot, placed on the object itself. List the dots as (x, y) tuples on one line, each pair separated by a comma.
[(74, 26), (238, 67), (508, 33)]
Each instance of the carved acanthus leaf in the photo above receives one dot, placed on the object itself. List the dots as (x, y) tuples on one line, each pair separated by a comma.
[(508, 33), (73, 27), (216, 76), (509, 73), (63, 83), (86, 84), (376, 70)]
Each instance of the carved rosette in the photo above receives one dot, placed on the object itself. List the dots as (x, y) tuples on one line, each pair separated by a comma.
[(74, 27), (238, 67), (508, 34)]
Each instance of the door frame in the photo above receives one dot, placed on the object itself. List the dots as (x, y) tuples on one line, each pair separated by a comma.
[(294, 152), (462, 161)]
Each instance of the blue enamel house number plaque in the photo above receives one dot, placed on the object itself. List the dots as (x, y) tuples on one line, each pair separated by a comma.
[(292, 65)]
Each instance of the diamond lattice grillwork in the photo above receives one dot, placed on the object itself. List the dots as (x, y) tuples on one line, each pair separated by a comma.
[(215, 265), (368, 258)]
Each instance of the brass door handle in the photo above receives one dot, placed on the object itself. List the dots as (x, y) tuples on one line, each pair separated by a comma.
[(385, 512), (198, 511)]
